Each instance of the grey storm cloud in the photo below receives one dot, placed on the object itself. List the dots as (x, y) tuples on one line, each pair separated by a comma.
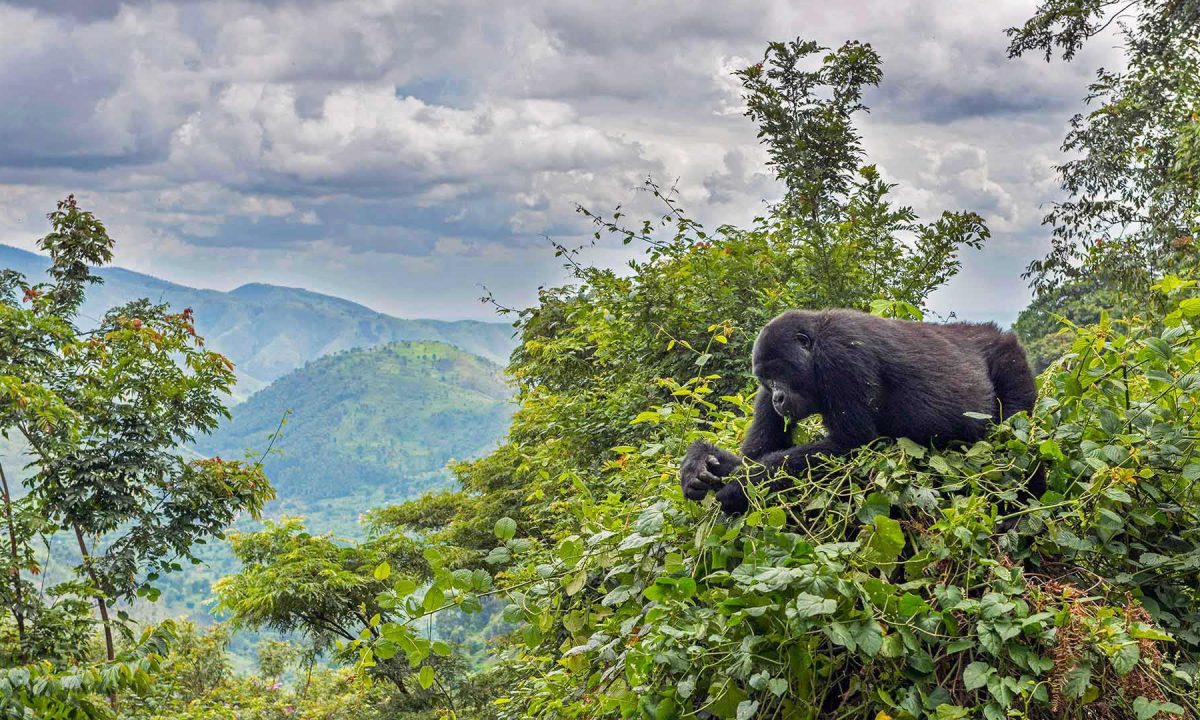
[(277, 135)]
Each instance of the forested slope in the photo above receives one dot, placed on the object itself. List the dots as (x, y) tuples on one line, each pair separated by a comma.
[(389, 417)]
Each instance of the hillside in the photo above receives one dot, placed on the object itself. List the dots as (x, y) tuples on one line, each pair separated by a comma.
[(387, 418), (367, 428), (269, 330)]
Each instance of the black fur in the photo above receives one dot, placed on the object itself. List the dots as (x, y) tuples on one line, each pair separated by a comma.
[(867, 377)]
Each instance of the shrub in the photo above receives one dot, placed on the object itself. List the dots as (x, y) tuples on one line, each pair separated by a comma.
[(902, 581)]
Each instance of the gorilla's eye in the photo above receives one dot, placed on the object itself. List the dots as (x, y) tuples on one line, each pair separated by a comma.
[(804, 340)]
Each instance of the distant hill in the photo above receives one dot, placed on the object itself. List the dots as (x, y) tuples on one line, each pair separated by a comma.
[(269, 330), (385, 419)]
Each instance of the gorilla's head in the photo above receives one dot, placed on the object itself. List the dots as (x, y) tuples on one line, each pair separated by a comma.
[(783, 363)]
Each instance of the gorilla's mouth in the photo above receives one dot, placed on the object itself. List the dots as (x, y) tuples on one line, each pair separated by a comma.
[(781, 408)]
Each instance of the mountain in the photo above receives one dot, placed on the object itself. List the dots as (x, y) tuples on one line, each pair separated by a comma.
[(389, 418), (269, 330)]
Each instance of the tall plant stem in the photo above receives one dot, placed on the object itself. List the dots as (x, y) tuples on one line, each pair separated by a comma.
[(101, 603), (15, 568)]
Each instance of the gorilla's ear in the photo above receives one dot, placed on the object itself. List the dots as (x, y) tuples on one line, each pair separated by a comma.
[(804, 339)]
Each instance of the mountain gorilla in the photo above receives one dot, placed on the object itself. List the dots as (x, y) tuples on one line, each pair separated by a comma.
[(867, 377)]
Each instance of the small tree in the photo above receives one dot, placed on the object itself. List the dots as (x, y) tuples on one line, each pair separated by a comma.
[(107, 413)]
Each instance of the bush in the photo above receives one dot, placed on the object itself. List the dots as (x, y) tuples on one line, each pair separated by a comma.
[(901, 582)]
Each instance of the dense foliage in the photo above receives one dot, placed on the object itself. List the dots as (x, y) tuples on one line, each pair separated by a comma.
[(1044, 326), (905, 581)]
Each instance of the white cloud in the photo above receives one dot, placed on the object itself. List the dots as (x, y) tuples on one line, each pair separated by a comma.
[(417, 140)]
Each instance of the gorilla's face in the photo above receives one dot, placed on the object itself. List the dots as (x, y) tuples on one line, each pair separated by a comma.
[(783, 363)]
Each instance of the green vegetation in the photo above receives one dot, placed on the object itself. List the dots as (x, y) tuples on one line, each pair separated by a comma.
[(364, 429), (906, 582), (103, 413), (900, 581), (391, 416), (1131, 212)]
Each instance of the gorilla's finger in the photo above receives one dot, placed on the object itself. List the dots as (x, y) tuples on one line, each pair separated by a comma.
[(713, 461), (693, 490), (733, 499), (709, 478)]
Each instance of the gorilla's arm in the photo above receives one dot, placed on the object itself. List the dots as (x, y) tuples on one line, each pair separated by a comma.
[(850, 384)]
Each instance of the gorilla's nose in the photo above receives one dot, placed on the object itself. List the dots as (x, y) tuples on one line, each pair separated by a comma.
[(777, 398)]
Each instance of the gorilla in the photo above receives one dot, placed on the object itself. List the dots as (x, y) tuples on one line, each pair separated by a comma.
[(868, 377)]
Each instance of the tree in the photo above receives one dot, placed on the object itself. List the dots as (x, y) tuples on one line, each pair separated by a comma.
[(107, 413), (1133, 192), (593, 353), (345, 600)]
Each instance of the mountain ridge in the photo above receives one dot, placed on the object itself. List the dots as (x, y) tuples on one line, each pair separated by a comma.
[(268, 330)]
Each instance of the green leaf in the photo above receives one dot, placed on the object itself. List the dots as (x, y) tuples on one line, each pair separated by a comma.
[(885, 543), (911, 604), (910, 448), (1190, 307), (976, 675), (1050, 449), (1142, 631), (1125, 659), (650, 522), (841, 635), (382, 571), (869, 636), (575, 583), (937, 462), (746, 709), (506, 528), (442, 648), (425, 677), (434, 599), (875, 505), (808, 605), (1079, 679)]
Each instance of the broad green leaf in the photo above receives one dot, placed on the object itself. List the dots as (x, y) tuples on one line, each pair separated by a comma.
[(434, 599), (425, 677), (1125, 659), (976, 675), (506, 528), (808, 605), (911, 448), (885, 543), (746, 709)]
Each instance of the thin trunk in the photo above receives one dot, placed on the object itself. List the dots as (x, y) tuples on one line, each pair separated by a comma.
[(15, 569), (101, 605)]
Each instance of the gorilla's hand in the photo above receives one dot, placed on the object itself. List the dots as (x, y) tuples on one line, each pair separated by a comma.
[(703, 469), (733, 498)]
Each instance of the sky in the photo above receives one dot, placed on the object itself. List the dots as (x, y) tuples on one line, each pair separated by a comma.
[(408, 154)]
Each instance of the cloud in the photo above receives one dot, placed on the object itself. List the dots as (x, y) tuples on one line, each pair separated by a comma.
[(422, 141)]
